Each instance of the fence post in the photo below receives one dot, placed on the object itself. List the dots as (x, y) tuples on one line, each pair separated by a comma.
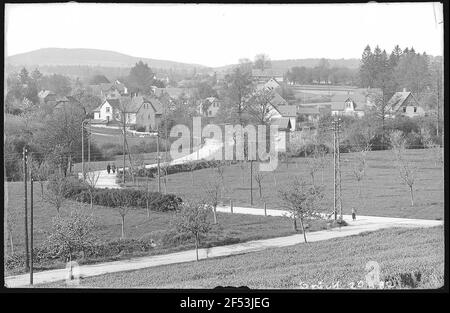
[(265, 209), (231, 205)]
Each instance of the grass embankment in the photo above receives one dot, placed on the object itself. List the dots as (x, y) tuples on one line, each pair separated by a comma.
[(400, 253), (383, 193)]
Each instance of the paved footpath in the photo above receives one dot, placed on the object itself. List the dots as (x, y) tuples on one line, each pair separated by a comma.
[(106, 180), (362, 224)]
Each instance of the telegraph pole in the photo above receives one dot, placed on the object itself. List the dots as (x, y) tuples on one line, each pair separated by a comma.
[(157, 156), (124, 134), (25, 178), (251, 182), (337, 170), (31, 227), (89, 147), (334, 172)]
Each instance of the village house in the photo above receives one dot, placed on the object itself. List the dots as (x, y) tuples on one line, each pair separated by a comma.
[(349, 105), (209, 107), (139, 111), (289, 112), (404, 103), (109, 90), (46, 96)]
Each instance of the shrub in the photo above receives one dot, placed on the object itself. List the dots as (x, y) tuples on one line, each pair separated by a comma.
[(135, 198), (173, 169)]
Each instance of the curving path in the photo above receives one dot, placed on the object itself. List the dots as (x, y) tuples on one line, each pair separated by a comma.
[(362, 224)]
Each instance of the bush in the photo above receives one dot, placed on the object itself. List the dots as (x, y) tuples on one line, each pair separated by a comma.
[(173, 169), (117, 247), (134, 198)]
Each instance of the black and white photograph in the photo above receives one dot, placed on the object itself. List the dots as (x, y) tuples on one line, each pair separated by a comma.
[(264, 146)]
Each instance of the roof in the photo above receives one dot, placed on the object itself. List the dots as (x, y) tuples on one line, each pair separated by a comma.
[(308, 110), (266, 73), (282, 122), (398, 99), (278, 100), (106, 86), (358, 98), (287, 110), (45, 93), (173, 92)]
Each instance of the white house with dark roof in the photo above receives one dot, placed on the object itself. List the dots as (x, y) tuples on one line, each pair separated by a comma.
[(404, 103), (209, 107), (349, 105), (289, 112), (139, 112)]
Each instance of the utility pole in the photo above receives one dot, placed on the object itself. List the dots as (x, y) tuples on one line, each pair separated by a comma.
[(25, 178), (89, 147), (31, 227), (124, 134), (337, 169), (157, 157), (251, 182), (334, 171)]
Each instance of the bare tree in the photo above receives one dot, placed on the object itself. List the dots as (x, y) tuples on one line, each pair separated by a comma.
[(220, 170), (57, 190), (434, 148), (91, 182), (213, 195), (360, 167), (41, 171), (260, 107), (192, 165), (259, 178), (193, 219), (262, 61), (123, 211), (406, 170), (243, 167), (11, 222), (301, 201)]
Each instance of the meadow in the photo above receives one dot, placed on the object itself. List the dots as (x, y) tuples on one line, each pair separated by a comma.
[(231, 228), (407, 258), (383, 193)]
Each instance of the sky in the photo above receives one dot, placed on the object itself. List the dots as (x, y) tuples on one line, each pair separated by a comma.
[(217, 35)]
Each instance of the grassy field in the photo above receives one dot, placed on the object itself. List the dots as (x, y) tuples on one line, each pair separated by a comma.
[(232, 228), (383, 191), (338, 262)]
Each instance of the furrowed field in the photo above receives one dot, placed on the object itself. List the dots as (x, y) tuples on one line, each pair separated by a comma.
[(407, 258), (383, 192)]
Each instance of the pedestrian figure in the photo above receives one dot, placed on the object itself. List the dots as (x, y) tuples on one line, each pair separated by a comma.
[(108, 168), (113, 168), (353, 214)]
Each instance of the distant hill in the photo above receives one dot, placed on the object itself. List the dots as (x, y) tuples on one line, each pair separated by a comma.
[(285, 65), (88, 57)]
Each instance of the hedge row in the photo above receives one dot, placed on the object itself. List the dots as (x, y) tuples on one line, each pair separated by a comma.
[(125, 197), (43, 255), (173, 169)]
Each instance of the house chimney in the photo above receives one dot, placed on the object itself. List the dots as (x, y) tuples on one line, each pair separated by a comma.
[(404, 89)]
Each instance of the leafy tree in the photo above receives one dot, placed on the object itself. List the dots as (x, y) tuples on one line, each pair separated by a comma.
[(192, 219), (235, 89), (58, 188), (367, 68), (301, 201), (262, 62), (141, 78), (71, 234)]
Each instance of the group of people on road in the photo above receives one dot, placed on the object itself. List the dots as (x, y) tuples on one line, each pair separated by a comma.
[(109, 168)]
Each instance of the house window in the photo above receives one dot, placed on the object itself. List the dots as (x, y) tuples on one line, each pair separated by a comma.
[(107, 109), (404, 109), (415, 109)]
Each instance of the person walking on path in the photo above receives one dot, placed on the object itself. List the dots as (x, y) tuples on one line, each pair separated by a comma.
[(113, 167), (354, 214), (108, 168)]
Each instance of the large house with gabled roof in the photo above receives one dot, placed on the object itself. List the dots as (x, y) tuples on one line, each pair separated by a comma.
[(139, 112), (404, 103)]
